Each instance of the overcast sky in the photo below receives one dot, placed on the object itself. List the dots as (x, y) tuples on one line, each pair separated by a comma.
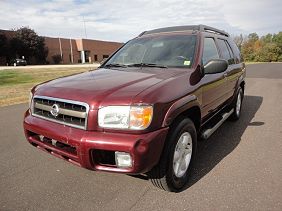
[(120, 20)]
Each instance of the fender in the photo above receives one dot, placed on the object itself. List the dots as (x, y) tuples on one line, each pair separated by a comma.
[(178, 107), (239, 81), (241, 78)]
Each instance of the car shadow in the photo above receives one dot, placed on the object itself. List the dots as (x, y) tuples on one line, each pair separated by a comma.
[(224, 140)]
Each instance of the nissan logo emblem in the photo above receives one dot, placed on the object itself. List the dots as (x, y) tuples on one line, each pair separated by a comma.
[(55, 110)]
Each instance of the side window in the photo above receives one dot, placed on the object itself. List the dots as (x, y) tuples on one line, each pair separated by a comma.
[(232, 61), (225, 53), (236, 52), (210, 50)]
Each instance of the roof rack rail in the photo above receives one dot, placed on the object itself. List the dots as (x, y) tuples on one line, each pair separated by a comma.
[(142, 33), (202, 28), (213, 30)]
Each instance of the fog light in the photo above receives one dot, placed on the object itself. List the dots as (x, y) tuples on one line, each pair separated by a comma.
[(123, 159)]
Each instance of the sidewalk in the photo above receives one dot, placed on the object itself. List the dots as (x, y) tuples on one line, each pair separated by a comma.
[(49, 66)]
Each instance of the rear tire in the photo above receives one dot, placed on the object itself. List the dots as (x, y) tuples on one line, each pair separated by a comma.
[(237, 105), (176, 162)]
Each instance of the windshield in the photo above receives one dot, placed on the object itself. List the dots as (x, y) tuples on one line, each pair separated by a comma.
[(165, 50)]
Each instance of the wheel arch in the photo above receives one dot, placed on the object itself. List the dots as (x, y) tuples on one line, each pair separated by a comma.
[(242, 85), (239, 84), (185, 107)]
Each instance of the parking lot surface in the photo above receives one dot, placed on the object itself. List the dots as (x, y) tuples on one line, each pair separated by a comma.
[(238, 168)]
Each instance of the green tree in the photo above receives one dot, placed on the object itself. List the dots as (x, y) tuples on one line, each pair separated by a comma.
[(267, 48), (277, 39), (15, 47), (3, 45), (28, 44), (270, 52), (247, 49), (267, 38), (253, 37), (41, 52)]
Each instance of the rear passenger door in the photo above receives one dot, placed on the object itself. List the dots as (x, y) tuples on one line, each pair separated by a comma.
[(214, 85), (233, 69)]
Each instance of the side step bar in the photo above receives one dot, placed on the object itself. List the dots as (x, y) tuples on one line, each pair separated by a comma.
[(208, 132)]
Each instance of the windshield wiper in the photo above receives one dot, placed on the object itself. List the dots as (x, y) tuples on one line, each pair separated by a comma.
[(115, 65), (147, 65)]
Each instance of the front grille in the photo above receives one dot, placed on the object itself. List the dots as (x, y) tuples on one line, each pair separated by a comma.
[(67, 112)]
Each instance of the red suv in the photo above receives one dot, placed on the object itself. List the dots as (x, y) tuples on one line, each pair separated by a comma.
[(145, 108)]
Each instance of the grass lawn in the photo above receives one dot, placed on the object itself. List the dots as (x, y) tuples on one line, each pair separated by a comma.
[(15, 84)]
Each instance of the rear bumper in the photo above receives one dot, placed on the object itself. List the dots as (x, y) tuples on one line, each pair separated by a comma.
[(79, 145)]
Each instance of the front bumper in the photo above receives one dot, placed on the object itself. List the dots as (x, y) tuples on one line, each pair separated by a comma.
[(79, 146)]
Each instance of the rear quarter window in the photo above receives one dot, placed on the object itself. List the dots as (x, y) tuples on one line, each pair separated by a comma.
[(236, 51), (226, 52)]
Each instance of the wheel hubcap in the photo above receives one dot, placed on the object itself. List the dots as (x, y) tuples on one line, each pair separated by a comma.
[(182, 154), (238, 104)]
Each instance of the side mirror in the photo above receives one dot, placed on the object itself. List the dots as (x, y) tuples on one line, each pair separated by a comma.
[(215, 66)]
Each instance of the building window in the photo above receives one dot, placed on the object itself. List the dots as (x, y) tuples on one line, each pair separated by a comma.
[(87, 54), (95, 58), (105, 56)]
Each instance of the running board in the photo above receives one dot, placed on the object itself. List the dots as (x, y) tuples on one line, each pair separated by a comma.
[(208, 132)]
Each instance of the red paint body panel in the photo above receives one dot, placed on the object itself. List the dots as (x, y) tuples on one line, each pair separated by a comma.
[(104, 87), (145, 149)]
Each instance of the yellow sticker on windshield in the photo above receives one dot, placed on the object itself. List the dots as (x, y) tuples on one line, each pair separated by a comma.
[(186, 62)]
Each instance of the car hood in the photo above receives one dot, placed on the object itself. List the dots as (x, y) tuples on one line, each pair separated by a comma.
[(106, 86)]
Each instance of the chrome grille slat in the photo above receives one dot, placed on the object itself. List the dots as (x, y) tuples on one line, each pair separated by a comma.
[(63, 111), (71, 113)]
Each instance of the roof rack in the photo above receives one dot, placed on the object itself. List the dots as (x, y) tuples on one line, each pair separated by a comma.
[(213, 30), (201, 28)]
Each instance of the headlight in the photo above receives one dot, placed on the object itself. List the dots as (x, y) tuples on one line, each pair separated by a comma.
[(125, 117), (30, 99)]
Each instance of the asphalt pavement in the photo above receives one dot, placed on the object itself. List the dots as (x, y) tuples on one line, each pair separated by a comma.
[(238, 168)]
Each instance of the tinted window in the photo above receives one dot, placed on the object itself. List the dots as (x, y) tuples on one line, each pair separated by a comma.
[(232, 61), (225, 51), (210, 50), (236, 52), (168, 50)]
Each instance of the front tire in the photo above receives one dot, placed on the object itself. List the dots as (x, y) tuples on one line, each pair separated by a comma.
[(176, 162)]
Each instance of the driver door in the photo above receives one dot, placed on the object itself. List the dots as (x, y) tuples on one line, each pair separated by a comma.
[(214, 85)]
